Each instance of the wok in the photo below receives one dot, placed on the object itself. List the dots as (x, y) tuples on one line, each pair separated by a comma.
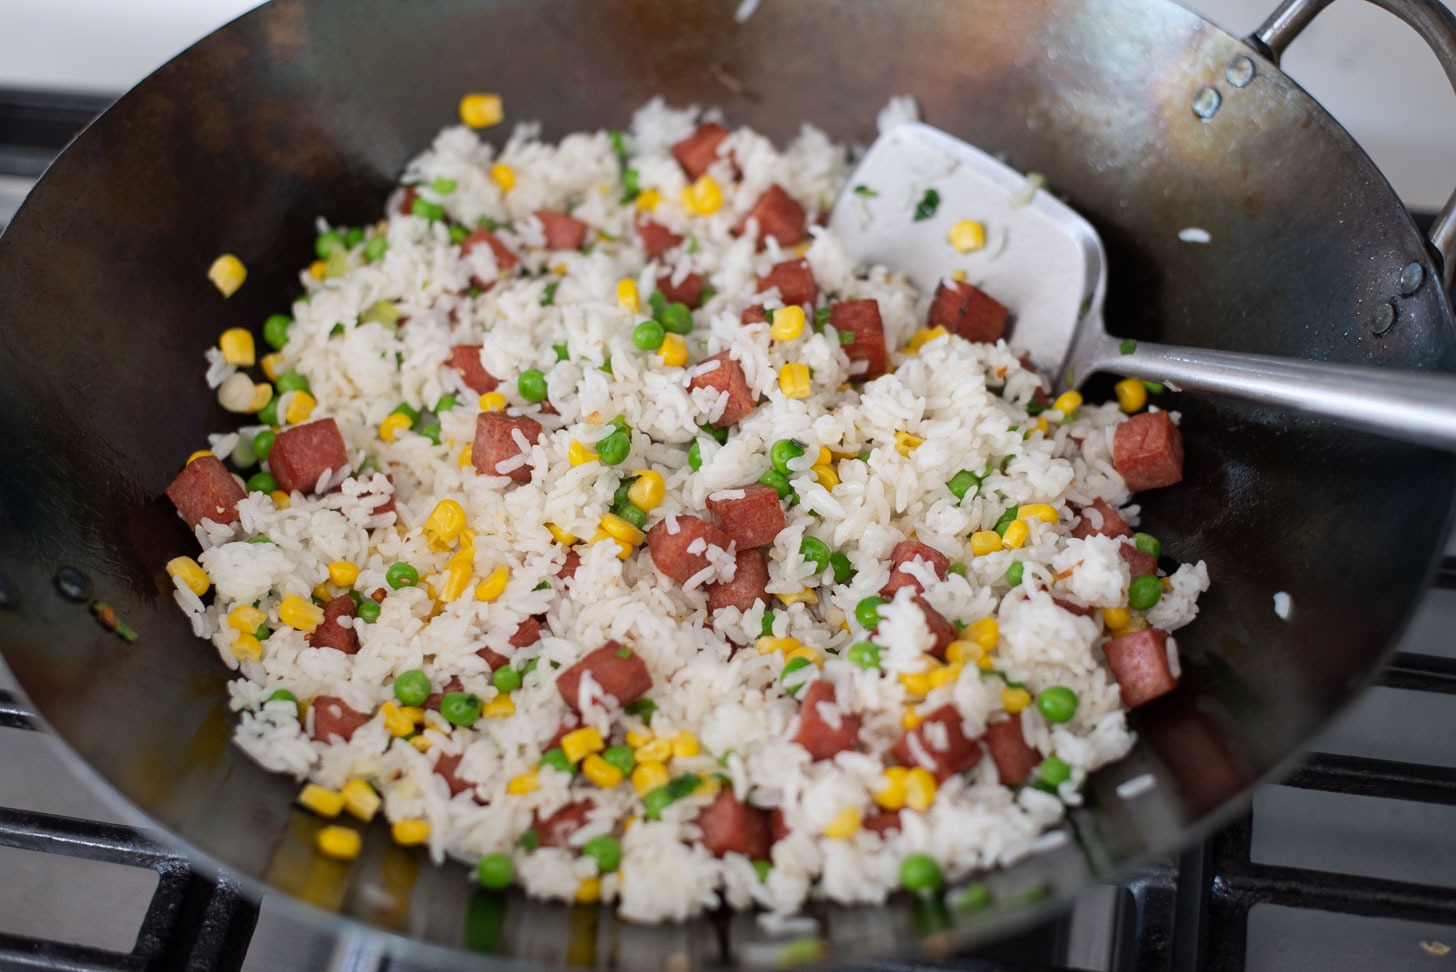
[(1146, 118)]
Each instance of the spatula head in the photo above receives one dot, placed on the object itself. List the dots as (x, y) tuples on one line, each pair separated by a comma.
[(1041, 259)]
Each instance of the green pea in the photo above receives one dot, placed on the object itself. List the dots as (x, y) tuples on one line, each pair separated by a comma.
[(532, 385), (446, 403), (556, 759), (762, 869), (431, 432), (649, 335), (782, 451), (1007, 518), (695, 455), (275, 330), (506, 679), (605, 851), (961, 483), (643, 709), (778, 481), (262, 483), (865, 654), (291, 381), (425, 209), (958, 568), (919, 873), (369, 611), (458, 234), (1057, 704), (444, 186), (1145, 542), (403, 408), (1144, 593), (1053, 772), (530, 839), (268, 414), (632, 514), (676, 319), (262, 632), (328, 244), (1014, 572), (619, 498), (281, 695), (843, 569), (720, 436), (412, 687), (460, 708), (655, 801), (791, 682), (614, 448), (620, 757), (402, 575), (495, 871), (263, 443), (867, 612), (376, 248), (765, 628), (815, 551)]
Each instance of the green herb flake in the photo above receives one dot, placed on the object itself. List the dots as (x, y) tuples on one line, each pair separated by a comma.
[(549, 296), (1128, 346), (866, 191), (927, 206)]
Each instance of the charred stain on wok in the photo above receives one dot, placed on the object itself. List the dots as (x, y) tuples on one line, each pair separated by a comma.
[(73, 585)]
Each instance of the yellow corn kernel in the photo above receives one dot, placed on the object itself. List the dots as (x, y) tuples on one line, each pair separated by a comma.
[(560, 269), (985, 542), (624, 550), (960, 651), (891, 796), (413, 713), (708, 786), (918, 683), (393, 425), (1040, 425), (985, 633), (493, 401), (1037, 511), (280, 499), (1013, 700), (768, 644), (788, 323), (197, 455), (636, 738), (321, 800), (262, 395), (247, 647), (794, 380), (945, 675), (500, 707), (578, 743), (1136, 623), (560, 535), (395, 720), (421, 742), (826, 475), (967, 235), (674, 351), (906, 443), (653, 751), (627, 298), (360, 800), (273, 365), (300, 614), (321, 593), (1132, 395), (805, 652), (919, 788), (317, 269), (343, 573), (1067, 403), (523, 784), (578, 454), (464, 459), (246, 618), (909, 719), (685, 745), (481, 110), (410, 833), (845, 824), (236, 344), (619, 529), (1016, 534), (648, 776), (985, 663), (806, 596), (921, 338), (445, 521), (959, 274), (227, 274), (704, 197), (492, 587), (648, 491), (340, 843), (589, 891), (1116, 618), (648, 200), (301, 405), (1166, 583), (190, 573), (601, 772), (503, 176)]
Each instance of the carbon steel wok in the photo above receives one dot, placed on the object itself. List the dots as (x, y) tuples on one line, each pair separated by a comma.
[(1146, 118)]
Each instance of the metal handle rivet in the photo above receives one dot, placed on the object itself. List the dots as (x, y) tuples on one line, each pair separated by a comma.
[(73, 585), (1411, 278), (1206, 102), (1240, 70), (1383, 319)]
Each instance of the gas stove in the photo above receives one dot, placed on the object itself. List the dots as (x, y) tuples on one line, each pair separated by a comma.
[(1347, 864)]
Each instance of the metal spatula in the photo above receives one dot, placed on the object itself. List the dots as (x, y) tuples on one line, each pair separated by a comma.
[(1046, 263)]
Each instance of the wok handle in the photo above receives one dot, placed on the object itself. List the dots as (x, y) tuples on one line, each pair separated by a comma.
[(1411, 406), (1435, 24)]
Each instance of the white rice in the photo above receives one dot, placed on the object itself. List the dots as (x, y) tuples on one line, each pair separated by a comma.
[(734, 702)]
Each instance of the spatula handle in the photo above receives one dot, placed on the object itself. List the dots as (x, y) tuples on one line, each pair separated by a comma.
[(1410, 406)]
